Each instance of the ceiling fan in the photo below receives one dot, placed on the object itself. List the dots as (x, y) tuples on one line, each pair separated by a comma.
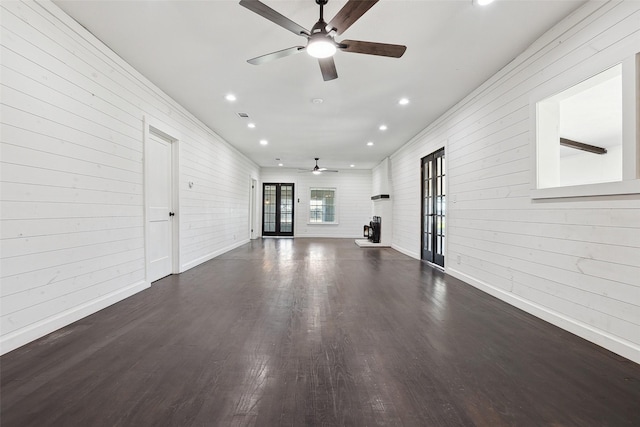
[(317, 170), (320, 40)]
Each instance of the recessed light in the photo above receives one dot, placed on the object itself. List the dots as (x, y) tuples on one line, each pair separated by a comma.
[(403, 101), (383, 127), (483, 2), (230, 97), (263, 142), (369, 143), (251, 125), (317, 100), (352, 166), (280, 164)]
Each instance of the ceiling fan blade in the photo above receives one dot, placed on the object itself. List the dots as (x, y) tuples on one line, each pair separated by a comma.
[(350, 13), (259, 60), (273, 16), (328, 68), (372, 48)]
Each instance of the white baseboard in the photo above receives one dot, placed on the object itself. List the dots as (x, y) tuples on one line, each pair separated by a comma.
[(212, 255), (39, 329), (622, 347), (400, 249)]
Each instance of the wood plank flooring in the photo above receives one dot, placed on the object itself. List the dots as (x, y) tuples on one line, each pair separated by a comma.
[(315, 332)]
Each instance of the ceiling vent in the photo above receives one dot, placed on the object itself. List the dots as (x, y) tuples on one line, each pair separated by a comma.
[(243, 115)]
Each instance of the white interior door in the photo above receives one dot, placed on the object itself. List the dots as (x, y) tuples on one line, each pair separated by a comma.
[(252, 220), (160, 213)]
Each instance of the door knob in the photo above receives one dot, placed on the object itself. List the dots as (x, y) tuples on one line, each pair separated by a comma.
[(171, 213)]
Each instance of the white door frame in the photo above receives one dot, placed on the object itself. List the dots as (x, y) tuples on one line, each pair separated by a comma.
[(152, 125), (252, 208)]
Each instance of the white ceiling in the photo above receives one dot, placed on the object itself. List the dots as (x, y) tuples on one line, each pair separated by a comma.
[(591, 112), (196, 52)]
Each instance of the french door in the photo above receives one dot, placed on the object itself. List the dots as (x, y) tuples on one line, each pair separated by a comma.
[(277, 209), (433, 207)]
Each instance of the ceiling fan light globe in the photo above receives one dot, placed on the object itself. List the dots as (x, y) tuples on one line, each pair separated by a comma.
[(316, 172), (320, 46)]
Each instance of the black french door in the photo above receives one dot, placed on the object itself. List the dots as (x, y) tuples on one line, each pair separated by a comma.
[(277, 209), (433, 207)]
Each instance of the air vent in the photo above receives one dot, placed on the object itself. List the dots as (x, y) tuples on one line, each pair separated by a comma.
[(243, 115)]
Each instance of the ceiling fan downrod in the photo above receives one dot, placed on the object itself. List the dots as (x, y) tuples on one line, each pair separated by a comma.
[(320, 26), (321, 3)]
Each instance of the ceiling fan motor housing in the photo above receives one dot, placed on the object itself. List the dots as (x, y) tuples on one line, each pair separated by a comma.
[(321, 44), (319, 27)]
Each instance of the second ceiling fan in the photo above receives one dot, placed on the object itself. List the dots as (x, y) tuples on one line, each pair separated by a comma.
[(320, 40), (317, 170)]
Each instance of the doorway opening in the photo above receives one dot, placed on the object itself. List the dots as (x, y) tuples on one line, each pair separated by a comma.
[(433, 207), (277, 209)]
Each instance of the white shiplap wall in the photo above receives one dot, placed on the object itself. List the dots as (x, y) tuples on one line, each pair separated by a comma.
[(72, 175), (573, 262), (380, 179), (354, 206)]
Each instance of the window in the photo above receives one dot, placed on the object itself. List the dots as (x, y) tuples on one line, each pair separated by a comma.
[(322, 206), (585, 135)]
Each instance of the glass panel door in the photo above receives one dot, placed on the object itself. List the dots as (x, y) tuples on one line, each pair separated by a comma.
[(286, 209), (269, 208), (433, 207), (277, 209)]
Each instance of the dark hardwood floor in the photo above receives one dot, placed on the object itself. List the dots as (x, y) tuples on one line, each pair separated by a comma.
[(312, 332)]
